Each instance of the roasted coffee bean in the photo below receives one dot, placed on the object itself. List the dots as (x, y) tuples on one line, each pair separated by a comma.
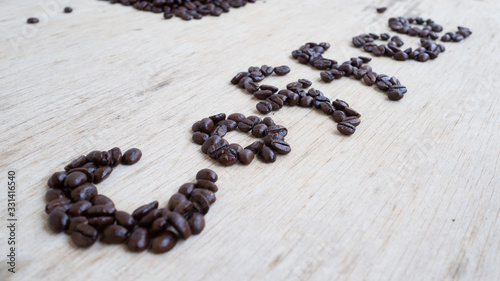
[(196, 126), (102, 158), (102, 200), (294, 86), (102, 173), (318, 100), (88, 171), (209, 142), (276, 101), (378, 50), (327, 108), (339, 116), (351, 112), (148, 219), (196, 223), (262, 94), (256, 146), (246, 156), (139, 240), (131, 156), (75, 179), (383, 85), (180, 224), (381, 10), (276, 129), (86, 191), (79, 208), (62, 204), (175, 200), (84, 235), (423, 57), (217, 149), (101, 211), (267, 155), (32, 20), (252, 87), (352, 120), (280, 147), (273, 89), (207, 125), (218, 117), (327, 76), (266, 70), (282, 70), (207, 184), (264, 107), (101, 223), (116, 156), (369, 78), (340, 104), (205, 192), (143, 210), (186, 189), (259, 130), (78, 162), (256, 120), (57, 180), (244, 81), (219, 131), (68, 10), (184, 207), (74, 221), (401, 56), (125, 219), (346, 128), (306, 101), (230, 124), (199, 137), (206, 174), (245, 125), (159, 225), (396, 92), (54, 193), (58, 221), (200, 203), (165, 241), (114, 234)]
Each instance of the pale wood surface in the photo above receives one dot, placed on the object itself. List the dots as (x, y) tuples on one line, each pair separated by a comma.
[(413, 195)]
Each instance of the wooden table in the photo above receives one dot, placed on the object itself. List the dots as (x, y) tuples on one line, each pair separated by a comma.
[(412, 195)]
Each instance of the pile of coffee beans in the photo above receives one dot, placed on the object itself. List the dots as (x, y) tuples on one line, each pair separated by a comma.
[(428, 50), (184, 9), (312, 54), (75, 207), (209, 133)]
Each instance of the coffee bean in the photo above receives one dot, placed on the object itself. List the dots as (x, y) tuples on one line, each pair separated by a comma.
[(86, 191), (267, 155), (200, 203), (116, 156), (219, 131), (125, 219), (180, 224), (100, 223), (78, 162), (205, 192), (102, 158), (206, 174), (79, 208), (245, 125), (186, 189), (101, 211), (381, 10), (32, 20), (230, 124), (327, 108), (207, 125), (143, 210), (164, 242), (327, 76), (218, 117), (209, 142), (423, 57), (369, 78), (114, 234), (131, 156), (196, 126), (251, 87), (282, 70), (58, 221), (276, 129), (281, 147), (244, 81), (199, 137), (102, 200), (102, 173), (57, 180), (207, 184), (246, 156), (148, 219), (84, 235), (62, 204), (396, 92), (139, 240), (175, 200), (339, 116), (74, 221), (346, 128), (264, 107), (379, 50), (352, 120), (75, 179), (196, 223), (68, 10), (266, 70), (159, 225), (401, 56), (351, 112), (262, 94), (273, 89), (237, 117), (54, 193), (256, 146), (184, 207)]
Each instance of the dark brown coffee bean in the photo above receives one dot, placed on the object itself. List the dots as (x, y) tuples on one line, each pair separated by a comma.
[(264, 107), (209, 142), (86, 191), (131, 156), (196, 223), (75, 179), (102, 200), (200, 202), (148, 219), (88, 171), (165, 241), (139, 240), (114, 234), (327, 108), (259, 130), (340, 104), (199, 137), (246, 156), (125, 219), (251, 87), (101, 223), (175, 200), (369, 78), (327, 76), (281, 147), (268, 121), (238, 77), (339, 116), (54, 193), (207, 184), (116, 156), (423, 57), (245, 125), (346, 128), (207, 125), (256, 120), (206, 174), (58, 221), (78, 162), (230, 124), (101, 211), (262, 94), (102, 173), (352, 120), (305, 83), (267, 155), (74, 221), (186, 189), (84, 235), (143, 210), (282, 70), (79, 208), (217, 149), (256, 146), (244, 80), (205, 192), (62, 204), (32, 20), (219, 131), (273, 89), (184, 207), (196, 126), (102, 158), (276, 102), (294, 86), (57, 180), (68, 10), (159, 225), (351, 112), (218, 117), (378, 50), (180, 224), (266, 70), (277, 129), (396, 92)]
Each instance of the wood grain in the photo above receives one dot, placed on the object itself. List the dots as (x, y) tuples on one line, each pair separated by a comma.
[(413, 195)]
